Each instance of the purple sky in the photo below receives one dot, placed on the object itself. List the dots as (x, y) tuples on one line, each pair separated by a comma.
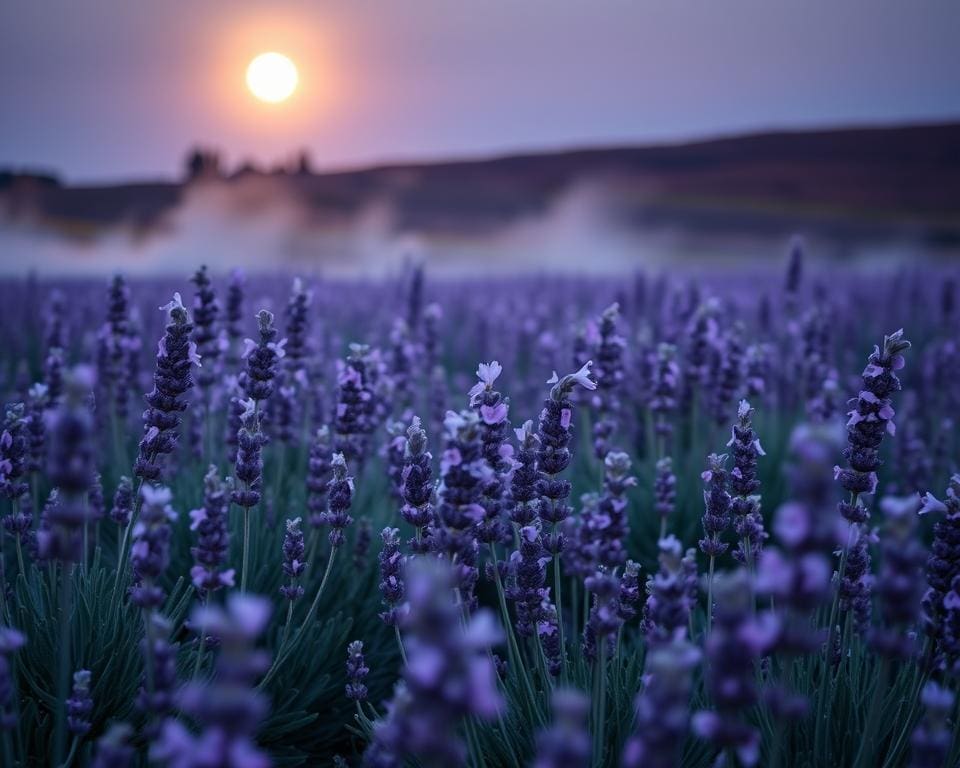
[(104, 89)]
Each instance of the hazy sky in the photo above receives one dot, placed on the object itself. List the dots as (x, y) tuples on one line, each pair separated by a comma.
[(103, 89)]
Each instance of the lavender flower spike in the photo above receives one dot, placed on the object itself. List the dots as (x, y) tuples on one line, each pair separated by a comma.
[(262, 359), (932, 737), (171, 381), (663, 709), (114, 749), (293, 560), (10, 641), (213, 537), (357, 671), (122, 502), (417, 485), (80, 704), (744, 484), (943, 567), (566, 744), (150, 553), (870, 419), (391, 580), (228, 710), (449, 675), (340, 495)]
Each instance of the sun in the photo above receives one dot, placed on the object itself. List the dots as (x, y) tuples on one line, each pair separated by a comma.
[(272, 77)]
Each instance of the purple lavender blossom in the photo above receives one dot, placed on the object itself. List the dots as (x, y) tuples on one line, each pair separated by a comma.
[(401, 362), (733, 647), (155, 698), (663, 709), (943, 566), (228, 710), (70, 469), (666, 613), (857, 583), (493, 410), (391, 579), (931, 739), (357, 671), (118, 330), (523, 480), (417, 485), (206, 308), (361, 544), (262, 358), (10, 641), (665, 392), (899, 584), (171, 382), (664, 492), (730, 374), (114, 749), (528, 578), (605, 526), (702, 335), (459, 510), (293, 560), (629, 598), (150, 553), (298, 326), (210, 522), (122, 502), (355, 404), (716, 500), (608, 374), (36, 428), (80, 704), (53, 376), (566, 744), (394, 454), (249, 463), (235, 299), (870, 419), (449, 675), (604, 619), (340, 498), (554, 433), (14, 453), (318, 476), (757, 370), (744, 485)]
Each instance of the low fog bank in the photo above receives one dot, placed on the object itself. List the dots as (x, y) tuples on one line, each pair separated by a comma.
[(260, 225)]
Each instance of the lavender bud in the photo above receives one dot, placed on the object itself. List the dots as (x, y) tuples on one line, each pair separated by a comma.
[(293, 560), (210, 523), (80, 704), (114, 749), (150, 553), (171, 382), (357, 671), (340, 499), (10, 641), (566, 744), (262, 359), (391, 581)]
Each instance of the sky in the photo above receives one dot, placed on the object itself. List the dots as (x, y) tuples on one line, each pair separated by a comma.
[(117, 90)]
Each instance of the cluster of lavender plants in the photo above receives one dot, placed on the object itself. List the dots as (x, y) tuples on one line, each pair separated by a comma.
[(646, 531)]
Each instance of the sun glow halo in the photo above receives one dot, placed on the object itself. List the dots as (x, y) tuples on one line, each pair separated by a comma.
[(272, 77)]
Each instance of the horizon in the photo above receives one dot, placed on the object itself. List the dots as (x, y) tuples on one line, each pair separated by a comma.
[(277, 164), (114, 91)]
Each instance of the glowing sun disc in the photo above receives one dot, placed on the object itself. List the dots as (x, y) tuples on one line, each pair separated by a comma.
[(272, 77)]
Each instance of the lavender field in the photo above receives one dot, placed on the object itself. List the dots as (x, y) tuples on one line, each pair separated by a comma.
[(541, 521)]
